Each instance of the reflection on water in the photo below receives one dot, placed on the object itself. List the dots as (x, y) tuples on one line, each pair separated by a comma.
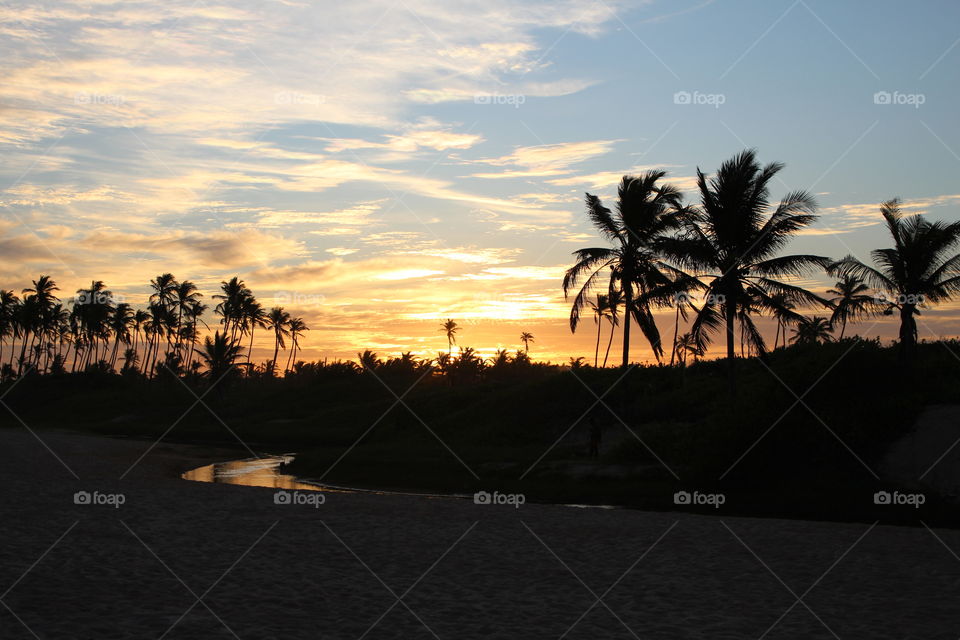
[(255, 472), (268, 472)]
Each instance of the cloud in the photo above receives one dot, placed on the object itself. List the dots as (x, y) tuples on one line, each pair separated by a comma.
[(546, 159)]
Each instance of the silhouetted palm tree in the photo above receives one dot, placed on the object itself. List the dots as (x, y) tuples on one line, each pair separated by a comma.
[(121, 322), (278, 320), (646, 212), (526, 338), (220, 355), (812, 331), (614, 302), (450, 328), (230, 306), (35, 311), (253, 316), (850, 301), (296, 327), (601, 310), (731, 243), (185, 299), (916, 271)]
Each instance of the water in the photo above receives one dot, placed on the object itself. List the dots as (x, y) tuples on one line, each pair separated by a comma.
[(267, 471)]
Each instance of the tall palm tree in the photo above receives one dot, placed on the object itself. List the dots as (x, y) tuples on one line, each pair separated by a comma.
[(450, 328), (601, 310), (38, 301), (185, 298), (230, 306), (121, 323), (732, 245), (646, 212), (614, 303), (850, 301), (254, 316), (278, 320), (918, 270), (812, 331), (526, 338), (8, 319), (296, 327)]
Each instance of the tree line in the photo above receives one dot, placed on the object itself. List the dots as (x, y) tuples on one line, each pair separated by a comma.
[(718, 264), (94, 329)]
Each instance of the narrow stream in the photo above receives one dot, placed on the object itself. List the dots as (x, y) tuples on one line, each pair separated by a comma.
[(268, 472)]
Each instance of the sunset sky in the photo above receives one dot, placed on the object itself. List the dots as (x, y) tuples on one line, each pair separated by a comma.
[(377, 167)]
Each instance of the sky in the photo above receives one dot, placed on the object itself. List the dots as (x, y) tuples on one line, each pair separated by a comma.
[(377, 167)]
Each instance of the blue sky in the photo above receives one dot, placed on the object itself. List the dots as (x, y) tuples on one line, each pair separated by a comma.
[(378, 166)]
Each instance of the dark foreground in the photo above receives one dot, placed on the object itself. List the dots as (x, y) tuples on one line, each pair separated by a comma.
[(190, 560)]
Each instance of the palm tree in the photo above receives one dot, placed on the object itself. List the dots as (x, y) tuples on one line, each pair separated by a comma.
[(38, 301), (220, 355), (614, 302), (732, 245), (646, 212), (9, 302), (526, 338), (296, 327), (253, 316), (812, 331), (230, 306), (601, 310), (451, 328), (850, 301), (185, 298), (121, 322), (915, 271), (278, 320)]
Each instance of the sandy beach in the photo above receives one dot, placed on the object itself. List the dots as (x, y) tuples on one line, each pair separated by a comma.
[(181, 559)]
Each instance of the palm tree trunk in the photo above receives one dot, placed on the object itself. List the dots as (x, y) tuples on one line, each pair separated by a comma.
[(676, 329), (613, 329), (627, 310), (731, 307), (276, 352), (908, 332), (843, 327), (596, 350), (250, 349)]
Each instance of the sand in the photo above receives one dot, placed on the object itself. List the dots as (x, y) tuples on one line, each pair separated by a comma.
[(191, 560)]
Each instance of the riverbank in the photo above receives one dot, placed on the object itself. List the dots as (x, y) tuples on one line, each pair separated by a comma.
[(293, 571)]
